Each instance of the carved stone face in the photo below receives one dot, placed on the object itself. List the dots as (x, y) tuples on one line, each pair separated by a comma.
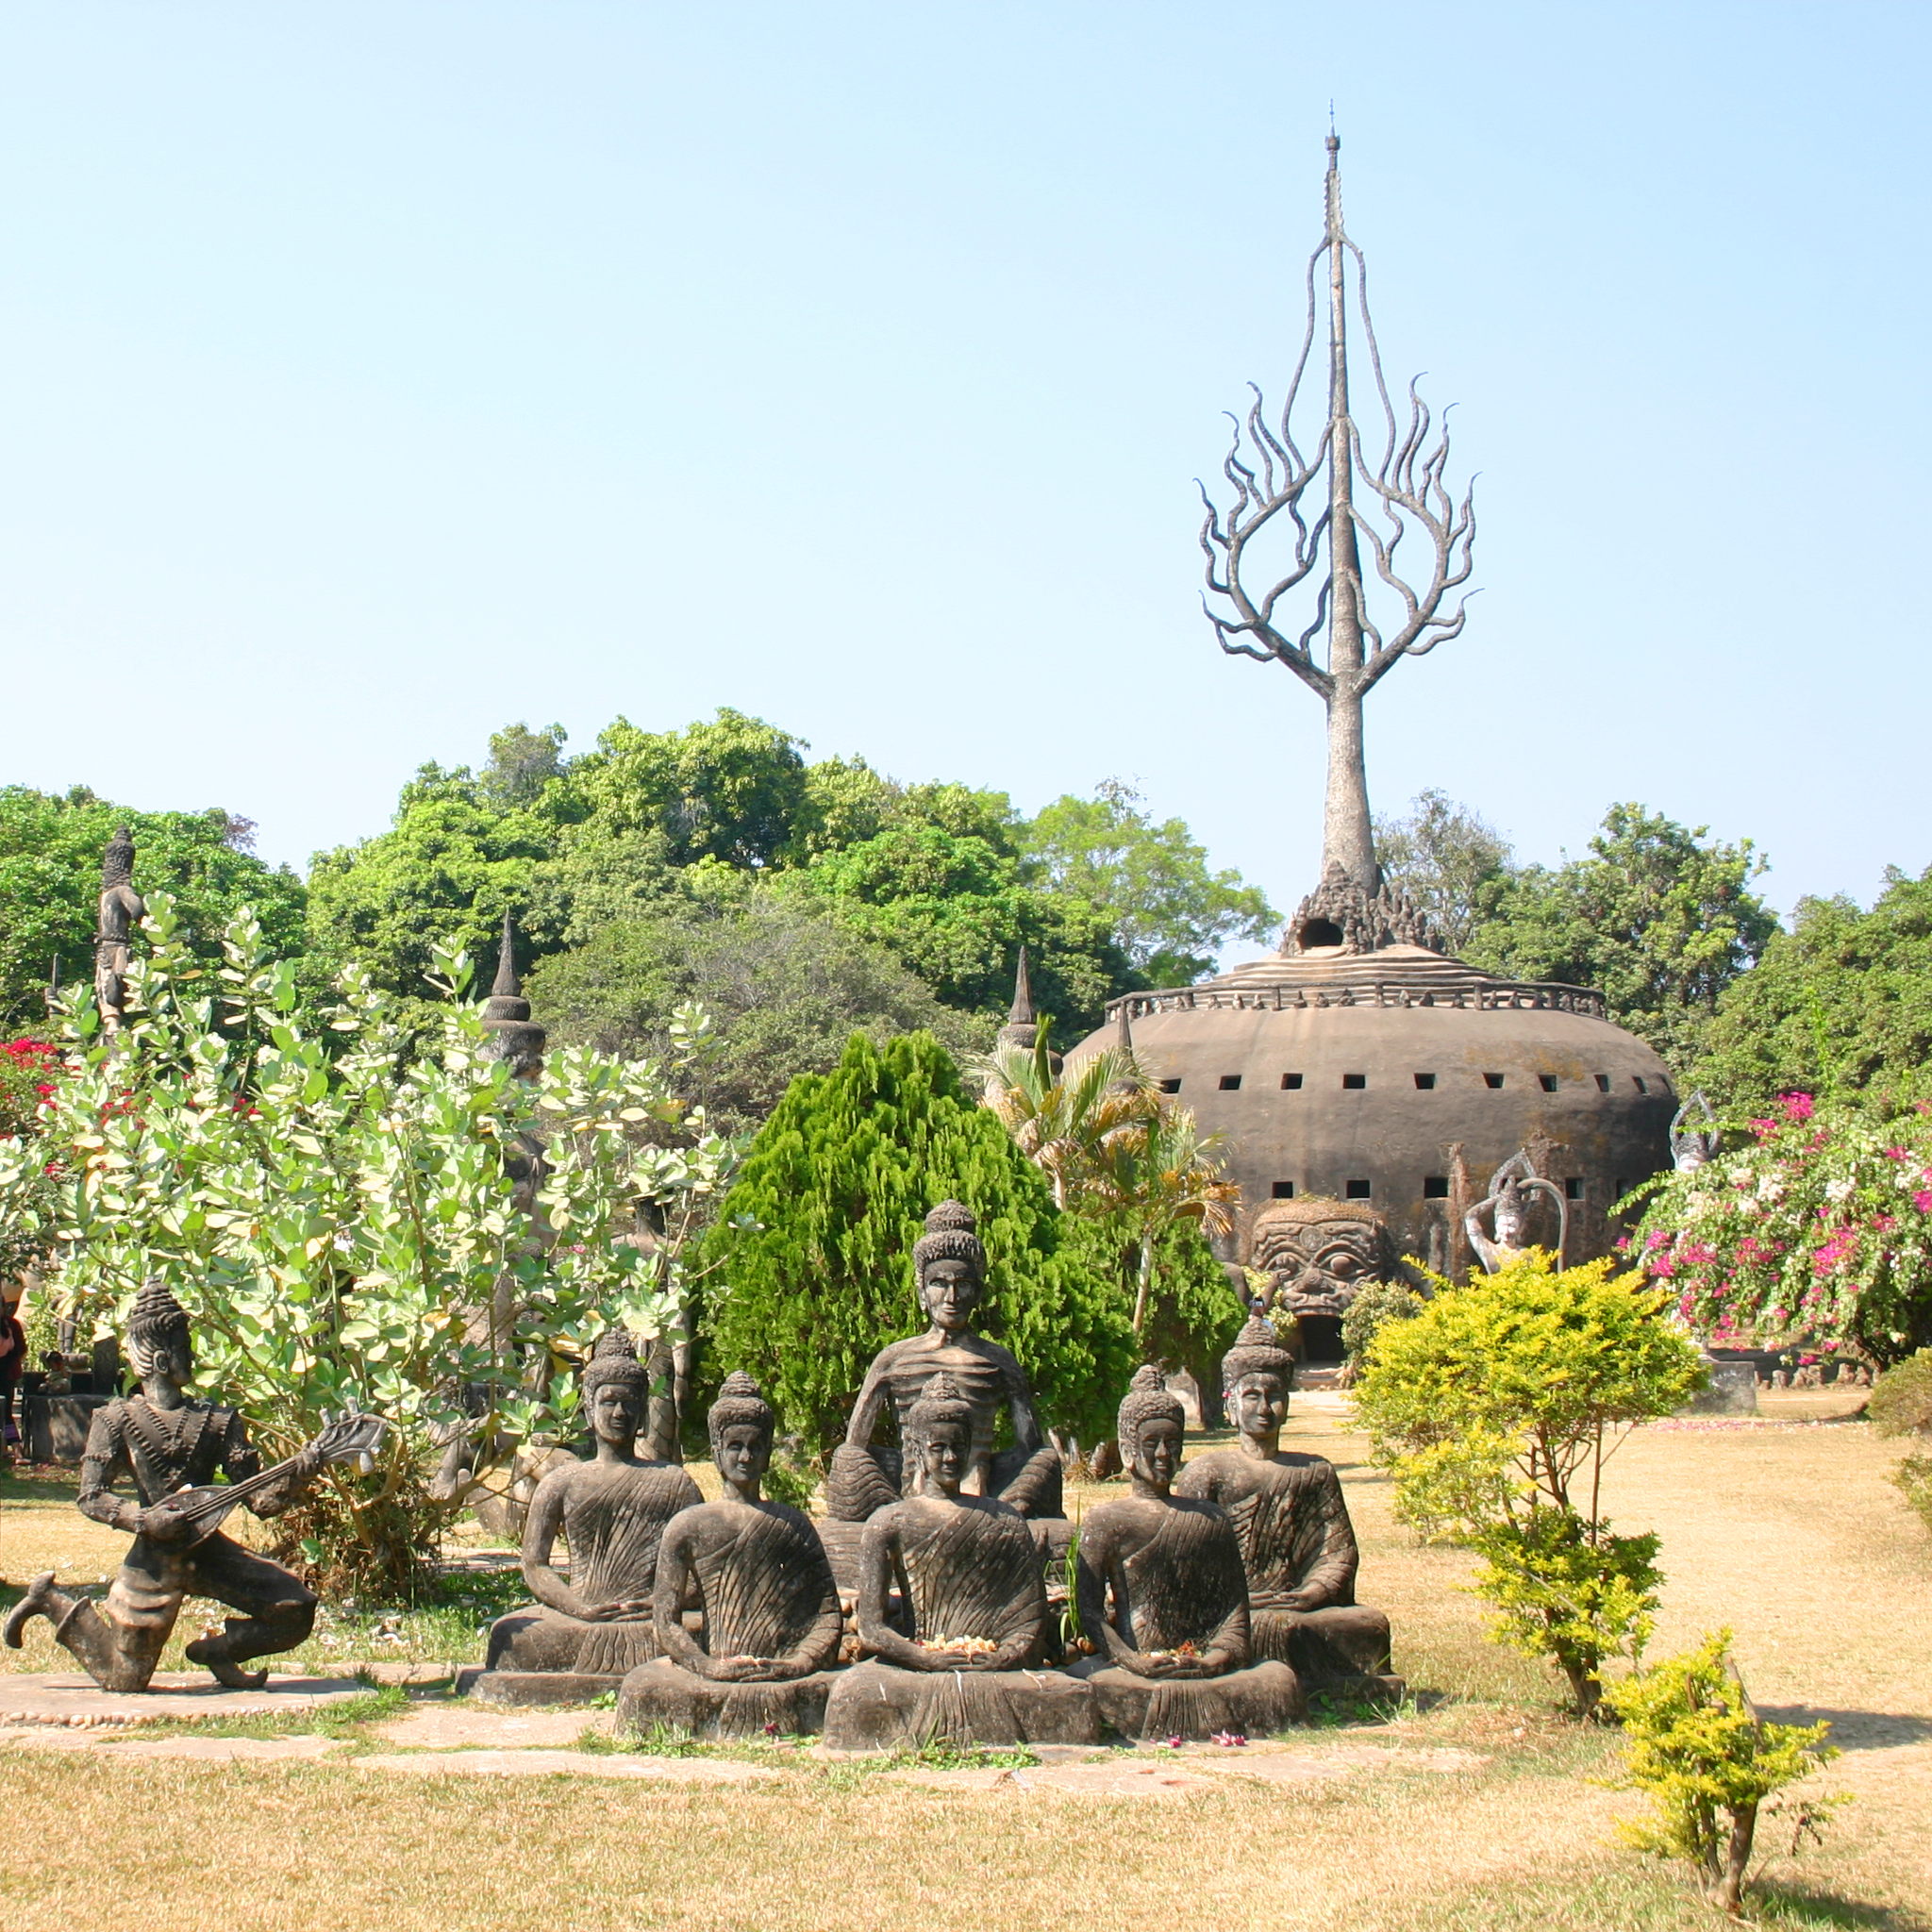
[(1261, 1405), (617, 1412), (743, 1453), (951, 1292), (1319, 1264), (943, 1454), (1157, 1450)]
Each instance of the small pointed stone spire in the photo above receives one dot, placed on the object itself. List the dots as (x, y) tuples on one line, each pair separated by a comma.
[(513, 1035), (1021, 1029)]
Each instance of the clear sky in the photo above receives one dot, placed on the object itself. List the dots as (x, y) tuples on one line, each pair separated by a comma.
[(378, 374)]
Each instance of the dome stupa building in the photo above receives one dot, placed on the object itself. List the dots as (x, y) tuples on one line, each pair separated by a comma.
[(1369, 1085)]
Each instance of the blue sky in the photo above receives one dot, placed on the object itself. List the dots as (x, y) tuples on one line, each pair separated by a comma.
[(377, 374)]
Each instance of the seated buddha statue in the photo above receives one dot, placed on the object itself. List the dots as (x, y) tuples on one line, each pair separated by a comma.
[(758, 1575), (1163, 1599), (586, 1631), (953, 1653), (865, 1477), (1297, 1544)]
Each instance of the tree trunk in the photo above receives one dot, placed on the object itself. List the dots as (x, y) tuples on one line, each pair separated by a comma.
[(1729, 1894), (1348, 838), (1146, 1282)]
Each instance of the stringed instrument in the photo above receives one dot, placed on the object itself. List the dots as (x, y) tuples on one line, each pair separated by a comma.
[(351, 1437)]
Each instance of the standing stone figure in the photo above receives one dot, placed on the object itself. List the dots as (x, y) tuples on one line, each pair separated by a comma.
[(1297, 1544), (1508, 1203), (1693, 1146), (864, 1478), (168, 1446), (1164, 1601), (586, 1631), (121, 910), (955, 1652), (758, 1571)]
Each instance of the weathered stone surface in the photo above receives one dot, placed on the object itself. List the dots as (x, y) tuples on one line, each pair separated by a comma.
[(661, 1694), (682, 1770), (454, 1726), (518, 1689), (306, 1746), (1256, 1701), (44, 1698), (1732, 1390), (876, 1708)]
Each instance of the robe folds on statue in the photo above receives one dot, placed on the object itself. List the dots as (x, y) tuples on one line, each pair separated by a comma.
[(1299, 1550), (973, 1571), (613, 1518), (1185, 1586), (765, 1590)]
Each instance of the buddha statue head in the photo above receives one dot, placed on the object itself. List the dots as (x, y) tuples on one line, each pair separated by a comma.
[(1150, 1425), (157, 1339), (1319, 1253), (616, 1387), (1257, 1372), (951, 1266), (940, 1424), (117, 862), (742, 1425)]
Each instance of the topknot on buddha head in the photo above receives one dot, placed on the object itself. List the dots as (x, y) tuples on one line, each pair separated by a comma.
[(157, 1320), (938, 1402), (1257, 1350), (614, 1361), (951, 1235), (740, 1404), (1148, 1399)]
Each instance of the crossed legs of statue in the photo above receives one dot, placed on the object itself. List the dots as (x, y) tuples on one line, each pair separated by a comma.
[(120, 1640)]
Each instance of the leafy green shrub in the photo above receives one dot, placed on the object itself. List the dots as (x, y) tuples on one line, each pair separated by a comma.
[(1697, 1748), (1914, 1476), (1374, 1304), (808, 1266), (1495, 1407), (340, 1221), (1901, 1400)]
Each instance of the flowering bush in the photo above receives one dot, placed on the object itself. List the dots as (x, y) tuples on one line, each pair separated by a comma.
[(27, 1068), (1816, 1234)]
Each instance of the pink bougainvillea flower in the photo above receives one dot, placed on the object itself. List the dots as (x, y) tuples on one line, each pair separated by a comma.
[(1797, 1106), (1923, 1200)]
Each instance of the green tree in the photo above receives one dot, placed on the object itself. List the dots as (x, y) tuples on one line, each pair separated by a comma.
[(1448, 859), (1840, 1005), (1494, 1408), (1168, 912), (810, 1260), (50, 886), (448, 869), (522, 763), (956, 910), (784, 984), (342, 1221), (1658, 917)]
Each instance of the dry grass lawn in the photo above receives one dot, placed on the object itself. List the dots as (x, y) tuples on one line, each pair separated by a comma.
[(1790, 1535)]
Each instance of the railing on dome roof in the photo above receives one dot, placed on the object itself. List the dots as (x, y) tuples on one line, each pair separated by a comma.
[(1488, 997)]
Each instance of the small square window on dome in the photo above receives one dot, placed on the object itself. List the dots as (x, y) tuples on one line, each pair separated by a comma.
[(1603, 1083), (1492, 1081), (1358, 1191), (1171, 1085), (1354, 1082), (1291, 1083), (1572, 1187), (1547, 1082), (1230, 1083), (1283, 1190), (1425, 1081), (1435, 1187)]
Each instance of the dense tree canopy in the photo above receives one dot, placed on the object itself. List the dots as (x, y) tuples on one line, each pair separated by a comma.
[(1839, 1004), (1449, 860), (50, 885), (1660, 917)]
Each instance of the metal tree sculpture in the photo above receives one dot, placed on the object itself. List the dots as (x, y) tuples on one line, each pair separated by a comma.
[(1271, 477)]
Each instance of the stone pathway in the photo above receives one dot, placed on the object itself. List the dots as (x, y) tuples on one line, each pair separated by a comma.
[(689, 1771), (78, 1702)]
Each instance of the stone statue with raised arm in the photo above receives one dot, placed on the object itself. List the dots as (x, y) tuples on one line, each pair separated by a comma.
[(169, 1447), (1298, 1545), (757, 1573), (866, 1477), (1507, 1237)]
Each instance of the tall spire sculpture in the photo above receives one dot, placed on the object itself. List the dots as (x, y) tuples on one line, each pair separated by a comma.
[(1272, 541), (511, 1034)]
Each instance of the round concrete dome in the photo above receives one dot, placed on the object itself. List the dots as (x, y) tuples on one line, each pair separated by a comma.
[(1359, 1075)]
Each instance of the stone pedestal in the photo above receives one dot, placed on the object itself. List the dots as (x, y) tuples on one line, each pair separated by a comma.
[(1732, 1390), (1342, 1648), (523, 1689), (56, 1425), (539, 1655), (665, 1693), (1254, 1703), (874, 1707)]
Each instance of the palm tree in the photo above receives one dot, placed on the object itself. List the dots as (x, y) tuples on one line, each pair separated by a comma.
[(1062, 1120)]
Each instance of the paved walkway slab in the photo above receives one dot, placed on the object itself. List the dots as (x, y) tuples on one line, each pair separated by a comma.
[(451, 1726), (684, 1771), (77, 1701)]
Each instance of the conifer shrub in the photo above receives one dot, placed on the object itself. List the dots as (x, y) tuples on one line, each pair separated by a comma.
[(808, 1267), (1708, 1762)]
